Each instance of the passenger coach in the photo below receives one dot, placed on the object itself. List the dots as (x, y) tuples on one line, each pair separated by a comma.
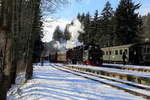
[(138, 53)]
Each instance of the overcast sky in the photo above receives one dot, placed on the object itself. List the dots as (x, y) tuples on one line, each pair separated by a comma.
[(70, 11)]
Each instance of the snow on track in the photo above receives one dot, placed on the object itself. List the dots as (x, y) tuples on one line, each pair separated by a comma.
[(119, 71), (132, 66), (49, 83)]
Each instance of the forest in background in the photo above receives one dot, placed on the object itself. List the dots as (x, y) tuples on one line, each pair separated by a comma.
[(111, 27), (146, 26)]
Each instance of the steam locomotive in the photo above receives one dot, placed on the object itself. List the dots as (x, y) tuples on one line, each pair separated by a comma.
[(89, 54)]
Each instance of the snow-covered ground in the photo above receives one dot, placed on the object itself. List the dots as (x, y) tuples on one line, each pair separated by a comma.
[(49, 83)]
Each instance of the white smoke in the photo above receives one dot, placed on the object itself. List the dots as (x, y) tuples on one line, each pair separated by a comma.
[(75, 30), (60, 45)]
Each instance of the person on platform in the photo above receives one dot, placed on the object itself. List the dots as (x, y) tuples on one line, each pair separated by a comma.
[(124, 57), (42, 60)]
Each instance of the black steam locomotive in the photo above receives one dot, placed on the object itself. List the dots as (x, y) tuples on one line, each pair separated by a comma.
[(85, 54)]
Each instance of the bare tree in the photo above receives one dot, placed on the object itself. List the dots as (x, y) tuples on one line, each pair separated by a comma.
[(17, 38)]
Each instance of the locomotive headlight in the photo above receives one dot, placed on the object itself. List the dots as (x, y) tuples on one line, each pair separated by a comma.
[(90, 57)]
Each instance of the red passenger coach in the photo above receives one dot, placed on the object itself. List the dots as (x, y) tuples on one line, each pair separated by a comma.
[(53, 57), (62, 56)]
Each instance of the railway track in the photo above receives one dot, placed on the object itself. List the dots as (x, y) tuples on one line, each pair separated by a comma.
[(126, 67), (130, 87), (133, 76)]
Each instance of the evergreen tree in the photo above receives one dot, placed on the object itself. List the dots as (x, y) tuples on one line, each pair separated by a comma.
[(140, 30), (94, 28), (58, 34), (127, 23), (146, 27), (79, 17), (67, 35), (88, 28), (38, 34), (107, 12), (99, 33), (85, 37), (82, 17), (106, 34)]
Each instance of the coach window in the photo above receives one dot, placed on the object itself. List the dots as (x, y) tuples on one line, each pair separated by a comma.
[(120, 52), (103, 52), (109, 52), (106, 52), (145, 50), (116, 52), (148, 50), (126, 51)]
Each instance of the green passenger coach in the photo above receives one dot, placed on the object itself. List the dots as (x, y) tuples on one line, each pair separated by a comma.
[(114, 54), (138, 53)]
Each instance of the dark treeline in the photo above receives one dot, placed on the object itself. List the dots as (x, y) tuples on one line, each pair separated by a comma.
[(146, 26), (20, 38), (60, 36), (110, 28)]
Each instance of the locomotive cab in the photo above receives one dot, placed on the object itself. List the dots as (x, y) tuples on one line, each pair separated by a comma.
[(92, 55)]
